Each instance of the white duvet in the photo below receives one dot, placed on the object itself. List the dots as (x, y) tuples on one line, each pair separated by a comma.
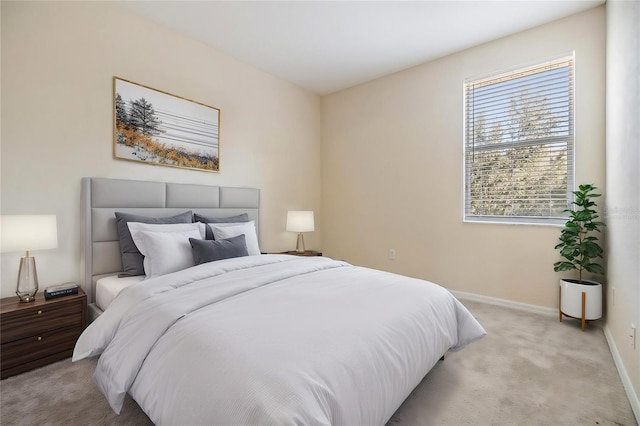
[(273, 339)]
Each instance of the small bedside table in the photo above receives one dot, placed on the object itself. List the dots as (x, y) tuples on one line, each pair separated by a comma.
[(38, 333), (305, 253)]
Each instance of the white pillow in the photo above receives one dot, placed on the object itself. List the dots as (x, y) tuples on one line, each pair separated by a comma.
[(223, 231), (166, 252), (137, 227)]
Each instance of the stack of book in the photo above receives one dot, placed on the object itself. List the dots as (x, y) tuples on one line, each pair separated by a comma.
[(61, 290)]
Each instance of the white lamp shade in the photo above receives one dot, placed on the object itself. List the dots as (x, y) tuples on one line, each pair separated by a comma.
[(300, 221), (28, 232)]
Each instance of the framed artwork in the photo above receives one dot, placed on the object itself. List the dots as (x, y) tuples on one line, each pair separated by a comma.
[(155, 127)]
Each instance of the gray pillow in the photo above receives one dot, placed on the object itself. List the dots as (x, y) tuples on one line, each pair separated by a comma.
[(208, 251), (132, 259), (244, 217)]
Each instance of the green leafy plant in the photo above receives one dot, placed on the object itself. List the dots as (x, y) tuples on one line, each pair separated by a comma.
[(577, 244)]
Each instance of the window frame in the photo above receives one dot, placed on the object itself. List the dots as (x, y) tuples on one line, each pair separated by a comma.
[(570, 141)]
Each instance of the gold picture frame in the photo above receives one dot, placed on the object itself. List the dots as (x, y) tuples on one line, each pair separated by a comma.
[(155, 127)]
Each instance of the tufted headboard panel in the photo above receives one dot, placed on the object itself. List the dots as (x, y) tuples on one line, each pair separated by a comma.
[(102, 197)]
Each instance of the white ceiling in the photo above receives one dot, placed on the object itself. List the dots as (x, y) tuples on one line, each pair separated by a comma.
[(326, 46)]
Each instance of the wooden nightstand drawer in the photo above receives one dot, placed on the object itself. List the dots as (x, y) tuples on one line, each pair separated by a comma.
[(38, 333), (39, 319), (35, 347)]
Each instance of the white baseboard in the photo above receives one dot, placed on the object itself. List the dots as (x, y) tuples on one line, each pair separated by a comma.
[(505, 303), (624, 376)]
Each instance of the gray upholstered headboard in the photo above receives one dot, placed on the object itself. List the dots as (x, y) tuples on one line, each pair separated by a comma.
[(101, 198)]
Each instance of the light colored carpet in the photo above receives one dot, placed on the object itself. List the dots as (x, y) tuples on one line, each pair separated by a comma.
[(528, 370)]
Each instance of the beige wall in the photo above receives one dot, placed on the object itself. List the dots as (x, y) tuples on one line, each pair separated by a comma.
[(623, 183), (58, 61), (392, 168)]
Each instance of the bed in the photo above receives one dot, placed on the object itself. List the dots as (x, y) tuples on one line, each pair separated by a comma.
[(259, 339)]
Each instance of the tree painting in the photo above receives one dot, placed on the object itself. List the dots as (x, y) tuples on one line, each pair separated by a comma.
[(143, 118), (158, 128)]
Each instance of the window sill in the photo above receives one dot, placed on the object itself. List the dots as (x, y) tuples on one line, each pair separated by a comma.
[(555, 223)]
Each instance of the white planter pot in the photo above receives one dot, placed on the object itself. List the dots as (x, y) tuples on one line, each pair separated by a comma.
[(571, 300)]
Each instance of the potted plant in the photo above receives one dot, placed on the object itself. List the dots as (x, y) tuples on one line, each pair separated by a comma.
[(581, 298)]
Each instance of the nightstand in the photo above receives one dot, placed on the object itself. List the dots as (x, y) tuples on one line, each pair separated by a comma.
[(305, 253), (38, 333)]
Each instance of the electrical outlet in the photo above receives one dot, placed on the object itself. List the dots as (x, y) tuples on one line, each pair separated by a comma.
[(392, 254), (632, 336)]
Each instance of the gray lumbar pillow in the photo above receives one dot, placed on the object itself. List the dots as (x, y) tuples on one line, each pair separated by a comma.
[(132, 259), (208, 251), (244, 217)]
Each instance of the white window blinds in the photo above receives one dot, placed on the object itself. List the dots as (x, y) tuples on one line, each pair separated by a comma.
[(519, 144)]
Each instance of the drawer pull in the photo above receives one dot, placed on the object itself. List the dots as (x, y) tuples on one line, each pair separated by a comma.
[(39, 338), (39, 312)]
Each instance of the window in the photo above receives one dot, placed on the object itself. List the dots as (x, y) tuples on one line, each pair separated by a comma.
[(519, 144)]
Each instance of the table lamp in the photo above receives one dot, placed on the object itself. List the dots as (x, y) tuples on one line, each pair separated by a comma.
[(300, 221), (26, 233)]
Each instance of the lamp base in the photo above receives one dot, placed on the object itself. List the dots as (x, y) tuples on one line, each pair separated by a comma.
[(300, 243), (27, 279), (26, 298)]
